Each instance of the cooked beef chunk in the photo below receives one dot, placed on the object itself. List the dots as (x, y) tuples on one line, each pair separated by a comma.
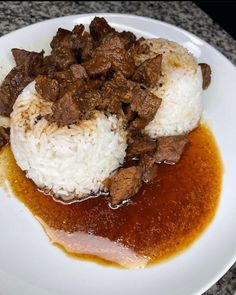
[(115, 92), (4, 136), (149, 71), (128, 38), (67, 110), (113, 48), (21, 55), (69, 80), (11, 87), (94, 84), (96, 66), (147, 160), (82, 43), (92, 98), (47, 87), (125, 183), (145, 104), (206, 75), (48, 68), (137, 124), (62, 39), (17, 79), (86, 47), (124, 97), (119, 87), (150, 174), (63, 57), (170, 148), (78, 71), (76, 87), (149, 168), (33, 64), (99, 28), (128, 113), (64, 77), (77, 101), (140, 145), (77, 41), (76, 36), (110, 55), (141, 48)]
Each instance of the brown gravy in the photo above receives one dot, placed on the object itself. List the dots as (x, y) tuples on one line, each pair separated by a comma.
[(160, 221)]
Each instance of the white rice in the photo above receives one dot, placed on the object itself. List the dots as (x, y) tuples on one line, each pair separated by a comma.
[(69, 162), (179, 87)]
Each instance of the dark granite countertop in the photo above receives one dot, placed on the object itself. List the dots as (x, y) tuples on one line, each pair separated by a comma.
[(185, 14)]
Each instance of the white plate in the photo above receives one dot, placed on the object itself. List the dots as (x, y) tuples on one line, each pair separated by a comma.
[(29, 264)]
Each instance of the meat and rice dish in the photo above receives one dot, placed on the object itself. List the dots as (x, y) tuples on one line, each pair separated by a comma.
[(100, 114), (142, 96)]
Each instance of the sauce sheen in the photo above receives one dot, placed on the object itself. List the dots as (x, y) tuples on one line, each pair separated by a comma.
[(164, 217)]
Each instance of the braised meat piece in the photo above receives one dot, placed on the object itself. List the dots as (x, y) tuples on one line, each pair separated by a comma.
[(94, 84), (68, 39), (86, 47), (48, 67), (149, 168), (92, 99), (11, 87), (141, 48), (119, 87), (64, 77), (33, 64), (128, 38), (63, 57), (145, 104), (4, 136), (170, 149), (78, 102), (97, 66), (67, 110), (140, 145), (82, 43), (21, 56), (125, 184), (75, 88), (99, 28), (115, 92), (78, 42), (114, 49), (61, 39), (71, 79), (129, 115), (137, 124), (206, 75), (149, 71), (150, 174), (47, 87), (17, 79), (78, 71), (110, 55)]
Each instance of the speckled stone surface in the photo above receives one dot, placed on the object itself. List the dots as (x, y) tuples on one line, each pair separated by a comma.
[(185, 14)]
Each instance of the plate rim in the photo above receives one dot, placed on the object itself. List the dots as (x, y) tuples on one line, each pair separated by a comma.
[(192, 36)]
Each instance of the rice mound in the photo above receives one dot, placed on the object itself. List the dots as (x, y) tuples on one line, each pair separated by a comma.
[(68, 162), (179, 87)]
